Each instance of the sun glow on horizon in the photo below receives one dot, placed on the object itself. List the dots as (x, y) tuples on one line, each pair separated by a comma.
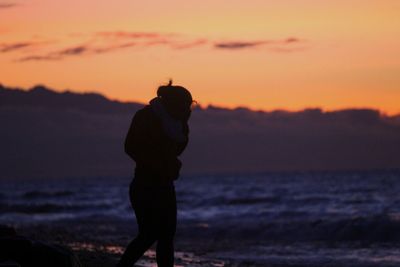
[(263, 55)]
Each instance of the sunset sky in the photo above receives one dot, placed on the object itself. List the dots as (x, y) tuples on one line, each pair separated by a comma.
[(263, 54)]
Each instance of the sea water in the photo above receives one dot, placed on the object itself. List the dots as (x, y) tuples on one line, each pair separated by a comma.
[(278, 219)]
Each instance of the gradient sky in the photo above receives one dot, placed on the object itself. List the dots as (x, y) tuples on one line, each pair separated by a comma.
[(262, 54)]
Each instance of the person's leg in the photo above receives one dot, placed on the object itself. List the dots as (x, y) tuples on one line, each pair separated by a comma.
[(136, 248), (147, 236), (165, 251), (167, 227)]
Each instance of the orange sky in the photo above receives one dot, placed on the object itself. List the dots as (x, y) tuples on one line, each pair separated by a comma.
[(262, 54)]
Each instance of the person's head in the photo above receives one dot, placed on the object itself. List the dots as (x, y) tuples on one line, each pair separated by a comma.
[(176, 99)]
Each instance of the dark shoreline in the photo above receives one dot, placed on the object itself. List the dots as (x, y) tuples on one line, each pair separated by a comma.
[(100, 244)]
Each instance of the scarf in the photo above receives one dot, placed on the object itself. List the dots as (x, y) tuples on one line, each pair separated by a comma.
[(172, 127)]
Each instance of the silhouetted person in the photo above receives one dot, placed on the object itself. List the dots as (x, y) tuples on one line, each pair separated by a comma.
[(157, 136)]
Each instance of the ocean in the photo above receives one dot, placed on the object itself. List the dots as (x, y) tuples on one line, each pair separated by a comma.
[(270, 219)]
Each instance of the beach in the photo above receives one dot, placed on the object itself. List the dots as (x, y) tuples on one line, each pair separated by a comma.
[(98, 243)]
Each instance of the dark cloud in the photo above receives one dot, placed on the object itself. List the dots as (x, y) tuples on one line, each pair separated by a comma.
[(148, 39), (236, 45), (24, 46), (110, 48), (178, 41), (76, 51), (104, 42), (39, 58), (7, 5), (4, 48), (292, 40)]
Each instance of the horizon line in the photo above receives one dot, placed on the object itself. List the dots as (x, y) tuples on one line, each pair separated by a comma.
[(381, 112)]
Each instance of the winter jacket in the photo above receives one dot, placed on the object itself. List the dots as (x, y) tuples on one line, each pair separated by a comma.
[(155, 154)]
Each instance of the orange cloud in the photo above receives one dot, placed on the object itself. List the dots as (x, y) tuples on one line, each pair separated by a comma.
[(104, 42)]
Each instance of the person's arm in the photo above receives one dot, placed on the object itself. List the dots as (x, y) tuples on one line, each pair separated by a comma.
[(181, 146), (138, 143)]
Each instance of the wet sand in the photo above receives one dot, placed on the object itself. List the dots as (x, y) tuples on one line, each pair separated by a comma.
[(100, 244)]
